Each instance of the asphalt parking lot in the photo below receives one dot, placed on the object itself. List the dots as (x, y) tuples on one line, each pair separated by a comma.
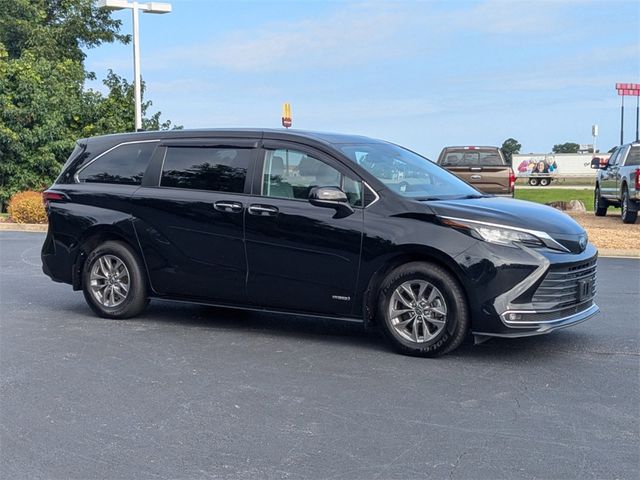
[(195, 392)]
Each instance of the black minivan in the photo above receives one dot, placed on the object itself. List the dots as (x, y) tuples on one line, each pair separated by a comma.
[(318, 224)]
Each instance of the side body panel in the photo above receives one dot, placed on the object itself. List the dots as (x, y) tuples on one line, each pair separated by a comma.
[(303, 257)]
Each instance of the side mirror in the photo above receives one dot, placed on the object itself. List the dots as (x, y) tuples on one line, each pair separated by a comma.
[(595, 163), (331, 197)]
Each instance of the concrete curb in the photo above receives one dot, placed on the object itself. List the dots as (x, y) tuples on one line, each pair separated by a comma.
[(23, 227), (613, 252), (34, 227)]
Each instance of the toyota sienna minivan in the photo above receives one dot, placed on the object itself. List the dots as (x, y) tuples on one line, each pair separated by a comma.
[(316, 224)]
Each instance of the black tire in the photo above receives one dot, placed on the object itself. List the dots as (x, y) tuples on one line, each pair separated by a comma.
[(629, 209), (135, 299), (544, 182), (600, 205), (533, 181), (456, 320)]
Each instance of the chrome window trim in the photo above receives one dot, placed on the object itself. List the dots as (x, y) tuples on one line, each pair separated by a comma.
[(372, 191), (75, 176), (536, 233)]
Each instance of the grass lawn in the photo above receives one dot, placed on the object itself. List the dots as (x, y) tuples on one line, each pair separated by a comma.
[(550, 194)]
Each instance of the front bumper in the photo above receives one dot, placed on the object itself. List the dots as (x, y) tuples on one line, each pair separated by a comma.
[(522, 292), (542, 325)]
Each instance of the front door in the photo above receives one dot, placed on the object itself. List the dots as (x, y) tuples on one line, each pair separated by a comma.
[(301, 257), (608, 178), (190, 224)]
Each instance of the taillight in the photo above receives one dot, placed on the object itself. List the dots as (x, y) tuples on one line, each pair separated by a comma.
[(48, 196), (512, 180), (637, 178)]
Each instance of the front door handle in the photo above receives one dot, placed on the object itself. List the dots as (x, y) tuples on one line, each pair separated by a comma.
[(225, 206), (475, 169), (476, 177), (263, 210)]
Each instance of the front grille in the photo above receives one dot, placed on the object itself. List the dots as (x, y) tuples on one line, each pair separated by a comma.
[(566, 286)]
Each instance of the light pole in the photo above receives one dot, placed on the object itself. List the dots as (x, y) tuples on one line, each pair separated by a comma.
[(135, 7)]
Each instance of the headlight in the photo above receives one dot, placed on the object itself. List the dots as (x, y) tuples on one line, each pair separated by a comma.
[(504, 236), (499, 234)]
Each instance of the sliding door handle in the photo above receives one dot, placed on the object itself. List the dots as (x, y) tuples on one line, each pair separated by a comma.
[(231, 207), (263, 210)]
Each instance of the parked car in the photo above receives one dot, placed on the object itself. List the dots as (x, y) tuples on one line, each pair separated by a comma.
[(317, 224), (485, 168), (618, 182)]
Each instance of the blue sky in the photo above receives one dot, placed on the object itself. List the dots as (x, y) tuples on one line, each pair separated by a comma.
[(424, 74)]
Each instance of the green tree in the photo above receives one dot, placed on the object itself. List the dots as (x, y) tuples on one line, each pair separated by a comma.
[(509, 147), (56, 29), (567, 147), (44, 105), (115, 112)]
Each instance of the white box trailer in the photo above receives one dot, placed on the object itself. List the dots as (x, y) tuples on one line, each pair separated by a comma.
[(542, 168)]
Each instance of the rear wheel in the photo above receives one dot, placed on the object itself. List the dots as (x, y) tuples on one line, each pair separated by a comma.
[(423, 310), (545, 182), (629, 209), (600, 205), (113, 282), (533, 181)]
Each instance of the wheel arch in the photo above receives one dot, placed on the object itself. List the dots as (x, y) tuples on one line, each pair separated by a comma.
[(408, 254), (90, 239)]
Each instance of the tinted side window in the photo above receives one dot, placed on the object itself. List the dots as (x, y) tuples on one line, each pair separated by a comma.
[(633, 159), (615, 156), (125, 164), (206, 168), (292, 174)]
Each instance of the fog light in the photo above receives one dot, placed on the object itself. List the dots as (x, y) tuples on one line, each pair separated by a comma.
[(515, 317)]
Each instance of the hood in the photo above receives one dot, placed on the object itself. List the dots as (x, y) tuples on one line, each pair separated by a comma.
[(516, 213)]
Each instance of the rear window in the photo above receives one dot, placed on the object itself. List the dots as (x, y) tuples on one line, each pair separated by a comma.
[(468, 158), (633, 159), (206, 168), (125, 164)]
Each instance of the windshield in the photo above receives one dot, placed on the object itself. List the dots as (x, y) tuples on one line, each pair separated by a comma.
[(408, 173)]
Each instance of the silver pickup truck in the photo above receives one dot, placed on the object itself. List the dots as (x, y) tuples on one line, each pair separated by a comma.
[(618, 182)]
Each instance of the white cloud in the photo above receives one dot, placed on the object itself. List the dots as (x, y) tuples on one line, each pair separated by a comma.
[(353, 35), (359, 34), (510, 17)]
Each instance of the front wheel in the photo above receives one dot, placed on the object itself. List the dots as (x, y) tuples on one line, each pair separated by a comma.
[(629, 210), (599, 204), (113, 282), (423, 310)]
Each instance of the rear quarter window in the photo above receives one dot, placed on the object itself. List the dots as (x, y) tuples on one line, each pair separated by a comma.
[(124, 164)]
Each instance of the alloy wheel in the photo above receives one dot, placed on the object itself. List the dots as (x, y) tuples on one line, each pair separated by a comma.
[(109, 281), (417, 311)]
